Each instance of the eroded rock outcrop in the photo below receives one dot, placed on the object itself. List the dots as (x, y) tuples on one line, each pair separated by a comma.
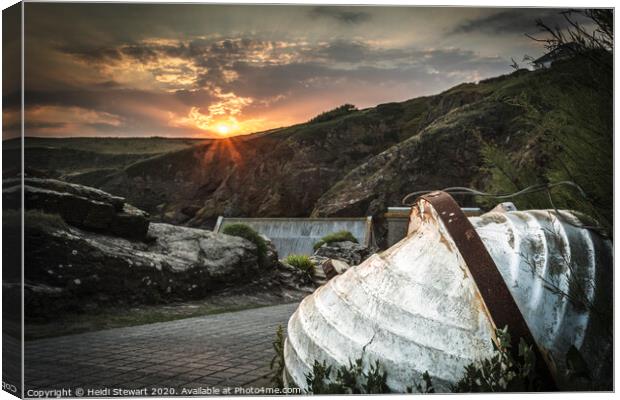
[(271, 259), (69, 269), (78, 205), (349, 252)]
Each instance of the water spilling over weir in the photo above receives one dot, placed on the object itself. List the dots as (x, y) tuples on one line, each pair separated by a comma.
[(298, 235)]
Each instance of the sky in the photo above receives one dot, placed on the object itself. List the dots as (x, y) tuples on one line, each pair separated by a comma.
[(194, 70)]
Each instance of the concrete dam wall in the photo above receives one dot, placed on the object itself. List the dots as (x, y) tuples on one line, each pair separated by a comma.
[(298, 235)]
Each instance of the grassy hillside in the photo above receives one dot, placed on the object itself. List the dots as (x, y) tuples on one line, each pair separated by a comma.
[(111, 145), (67, 157)]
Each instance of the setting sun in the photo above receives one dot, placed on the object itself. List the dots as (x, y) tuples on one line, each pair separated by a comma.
[(223, 129)]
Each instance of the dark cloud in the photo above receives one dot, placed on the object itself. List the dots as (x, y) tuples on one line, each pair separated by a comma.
[(194, 97), (268, 81), (165, 70), (273, 80), (140, 53), (341, 15), (345, 51), (126, 103), (109, 84), (92, 55), (458, 59), (42, 125), (278, 66), (515, 21), (261, 72), (103, 55)]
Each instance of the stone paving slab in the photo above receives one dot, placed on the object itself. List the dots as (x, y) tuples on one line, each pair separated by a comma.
[(225, 350)]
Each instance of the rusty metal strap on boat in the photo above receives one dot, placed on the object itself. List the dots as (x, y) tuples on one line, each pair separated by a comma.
[(496, 296)]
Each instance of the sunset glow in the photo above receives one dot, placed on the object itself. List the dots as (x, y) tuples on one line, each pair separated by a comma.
[(223, 129), (225, 70)]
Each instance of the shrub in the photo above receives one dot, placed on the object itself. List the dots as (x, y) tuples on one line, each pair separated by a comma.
[(426, 385), (277, 362), (341, 236), (335, 113), (575, 131), (246, 232), (502, 372), (570, 114), (499, 373), (390, 109), (301, 262), (348, 380)]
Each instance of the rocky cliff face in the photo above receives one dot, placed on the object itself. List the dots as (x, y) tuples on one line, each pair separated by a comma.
[(445, 153)]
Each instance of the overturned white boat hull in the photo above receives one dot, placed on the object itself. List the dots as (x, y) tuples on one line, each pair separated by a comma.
[(416, 308)]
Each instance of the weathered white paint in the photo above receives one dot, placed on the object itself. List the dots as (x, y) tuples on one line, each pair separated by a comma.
[(415, 308)]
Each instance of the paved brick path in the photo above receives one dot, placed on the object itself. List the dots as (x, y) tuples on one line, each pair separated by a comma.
[(232, 349)]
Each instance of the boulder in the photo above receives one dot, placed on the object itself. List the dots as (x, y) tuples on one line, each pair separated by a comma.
[(69, 269), (130, 223), (291, 277), (318, 274), (70, 188), (78, 205), (332, 267), (271, 257), (349, 252)]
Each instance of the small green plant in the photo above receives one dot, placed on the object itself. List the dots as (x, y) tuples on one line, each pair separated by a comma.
[(341, 236), (301, 262), (501, 372), (246, 232), (376, 379), (426, 386), (277, 362), (318, 380), (349, 379)]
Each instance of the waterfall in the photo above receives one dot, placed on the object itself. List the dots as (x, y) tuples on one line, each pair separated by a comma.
[(298, 235)]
